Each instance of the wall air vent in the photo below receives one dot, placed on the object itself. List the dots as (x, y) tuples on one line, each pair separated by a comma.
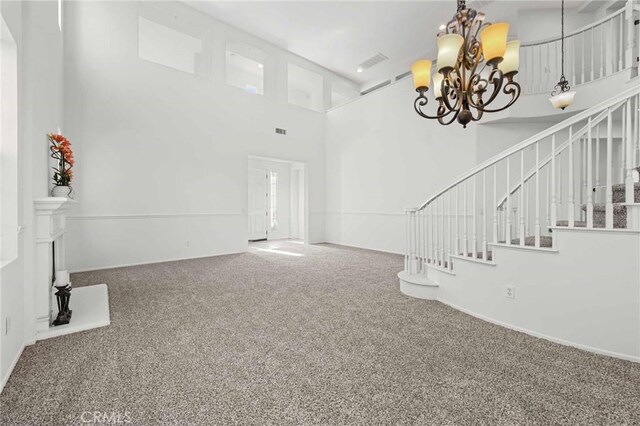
[(281, 131), (374, 60)]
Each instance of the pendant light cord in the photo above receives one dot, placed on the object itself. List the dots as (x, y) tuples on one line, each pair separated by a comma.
[(562, 37)]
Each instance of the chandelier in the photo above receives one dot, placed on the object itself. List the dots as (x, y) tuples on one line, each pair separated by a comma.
[(562, 95), (471, 72)]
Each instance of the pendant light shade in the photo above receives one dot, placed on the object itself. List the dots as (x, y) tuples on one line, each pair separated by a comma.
[(421, 71), (562, 99), (511, 60), (494, 41), (437, 85), (448, 50)]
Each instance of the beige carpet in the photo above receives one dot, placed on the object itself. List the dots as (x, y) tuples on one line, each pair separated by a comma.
[(288, 334)]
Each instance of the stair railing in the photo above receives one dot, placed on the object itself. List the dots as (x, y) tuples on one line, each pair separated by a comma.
[(595, 51), (462, 218)]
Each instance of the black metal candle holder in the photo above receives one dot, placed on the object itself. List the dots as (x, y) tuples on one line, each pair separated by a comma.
[(63, 295)]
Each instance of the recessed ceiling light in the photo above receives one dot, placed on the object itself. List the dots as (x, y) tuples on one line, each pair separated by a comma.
[(260, 66), (359, 69)]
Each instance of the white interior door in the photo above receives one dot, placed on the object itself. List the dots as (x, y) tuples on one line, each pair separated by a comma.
[(258, 204)]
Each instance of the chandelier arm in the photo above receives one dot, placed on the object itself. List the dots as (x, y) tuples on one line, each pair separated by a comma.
[(496, 82), (422, 101), (513, 89), (453, 118), (447, 92)]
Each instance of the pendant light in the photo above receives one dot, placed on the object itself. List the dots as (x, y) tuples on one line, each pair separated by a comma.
[(562, 95)]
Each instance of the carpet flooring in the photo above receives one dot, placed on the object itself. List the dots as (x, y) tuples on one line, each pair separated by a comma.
[(294, 334)]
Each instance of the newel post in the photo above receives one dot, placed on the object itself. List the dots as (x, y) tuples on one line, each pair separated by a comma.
[(411, 259)]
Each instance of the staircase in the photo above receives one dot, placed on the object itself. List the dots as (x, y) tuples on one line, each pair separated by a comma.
[(548, 215)]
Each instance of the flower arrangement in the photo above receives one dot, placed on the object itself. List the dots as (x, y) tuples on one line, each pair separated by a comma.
[(61, 152)]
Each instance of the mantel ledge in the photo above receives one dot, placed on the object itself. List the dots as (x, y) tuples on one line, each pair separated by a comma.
[(49, 205)]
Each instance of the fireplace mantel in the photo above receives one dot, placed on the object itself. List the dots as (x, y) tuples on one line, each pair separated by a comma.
[(89, 304)]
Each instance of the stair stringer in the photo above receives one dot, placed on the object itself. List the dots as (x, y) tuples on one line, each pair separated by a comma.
[(585, 293)]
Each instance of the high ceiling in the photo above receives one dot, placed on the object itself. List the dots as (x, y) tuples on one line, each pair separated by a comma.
[(341, 35)]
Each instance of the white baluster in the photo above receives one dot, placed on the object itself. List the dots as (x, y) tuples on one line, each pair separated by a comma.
[(450, 264), (536, 229), (474, 227), (553, 181), (623, 144), (609, 192), (494, 206), (438, 237), (465, 237), (548, 197), (521, 199), (629, 190), (597, 164), (508, 205), (602, 54), (484, 214), (621, 42), (582, 58), (571, 202), (457, 219), (589, 177), (592, 54), (572, 59)]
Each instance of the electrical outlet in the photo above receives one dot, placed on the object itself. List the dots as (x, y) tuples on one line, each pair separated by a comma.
[(7, 325), (510, 292)]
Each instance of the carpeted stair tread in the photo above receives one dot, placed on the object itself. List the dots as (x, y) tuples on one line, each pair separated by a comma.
[(619, 193), (530, 241), (618, 208), (580, 224)]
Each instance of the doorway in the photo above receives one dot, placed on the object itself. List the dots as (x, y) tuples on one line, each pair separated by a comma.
[(276, 199)]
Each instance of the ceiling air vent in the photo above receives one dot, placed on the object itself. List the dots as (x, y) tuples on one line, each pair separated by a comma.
[(281, 131), (403, 75), (374, 60)]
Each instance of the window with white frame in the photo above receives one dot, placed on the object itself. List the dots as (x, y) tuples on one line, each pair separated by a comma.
[(244, 66), (173, 41), (305, 88)]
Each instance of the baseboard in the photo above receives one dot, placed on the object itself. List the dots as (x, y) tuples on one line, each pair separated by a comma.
[(5, 379), (362, 247), (174, 259), (543, 336)]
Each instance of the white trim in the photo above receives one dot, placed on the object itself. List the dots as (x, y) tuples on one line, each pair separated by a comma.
[(366, 213), (605, 230), (362, 247), (541, 335), (5, 379), (151, 215), (532, 248), (474, 260), (175, 259), (440, 269)]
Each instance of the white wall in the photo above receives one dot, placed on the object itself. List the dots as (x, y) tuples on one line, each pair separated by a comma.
[(585, 294), (34, 26), (381, 158), (161, 154)]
